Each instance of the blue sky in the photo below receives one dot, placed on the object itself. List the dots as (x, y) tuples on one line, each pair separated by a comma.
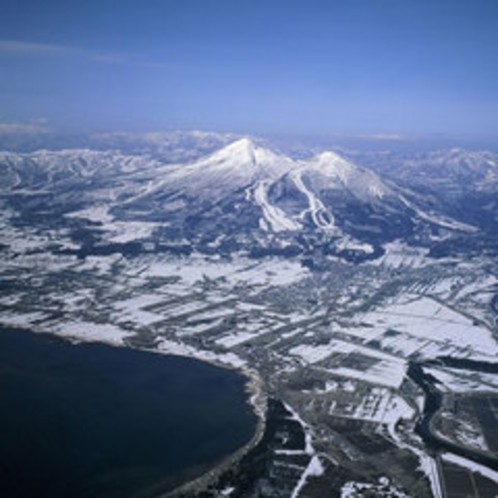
[(256, 66)]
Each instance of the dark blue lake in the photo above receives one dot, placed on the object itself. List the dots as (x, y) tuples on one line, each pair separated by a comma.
[(91, 420)]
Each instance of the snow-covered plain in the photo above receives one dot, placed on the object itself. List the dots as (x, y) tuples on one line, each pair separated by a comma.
[(370, 365), (352, 328), (427, 326), (472, 466), (84, 331), (460, 381)]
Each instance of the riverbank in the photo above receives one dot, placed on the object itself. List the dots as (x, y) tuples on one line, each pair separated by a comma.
[(425, 426)]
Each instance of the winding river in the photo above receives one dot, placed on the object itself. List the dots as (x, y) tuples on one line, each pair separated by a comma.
[(433, 400)]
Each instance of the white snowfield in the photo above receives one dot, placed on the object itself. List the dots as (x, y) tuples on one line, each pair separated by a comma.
[(386, 370), (360, 489), (341, 173), (236, 166), (321, 216), (438, 220), (179, 349), (231, 340), (426, 326), (275, 218), (472, 466), (314, 468), (195, 270), (350, 243), (312, 354), (85, 331), (399, 255), (381, 405), (460, 381), (132, 309)]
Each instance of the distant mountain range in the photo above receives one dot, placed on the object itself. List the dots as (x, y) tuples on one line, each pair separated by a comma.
[(244, 197)]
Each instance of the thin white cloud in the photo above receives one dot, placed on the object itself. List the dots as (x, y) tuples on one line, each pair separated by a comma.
[(17, 47), (383, 136), (18, 128), (22, 47)]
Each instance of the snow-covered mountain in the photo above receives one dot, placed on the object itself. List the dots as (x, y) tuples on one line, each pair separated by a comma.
[(324, 184), (451, 172), (242, 197), (462, 184), (223, 172)]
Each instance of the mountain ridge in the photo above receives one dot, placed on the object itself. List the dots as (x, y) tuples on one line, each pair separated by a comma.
[(244, 196)]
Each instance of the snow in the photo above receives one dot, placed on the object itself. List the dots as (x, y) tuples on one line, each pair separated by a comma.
[(21, 319), (210, 314), (119, 231), (197, 268), (380, 405), (399, 255), (275, 218), (437, 220), (362, 183), (470, 465), (460, 381), (127, 231), (311, 354), (355, 245), (309, 450), (385, 377), (89, 331), (397, 409), (430, 468), (99, 266), (231, 340), (360, 489), (387, 370), (321, 216), (98, 214), (206, 291), (314, 468), (131, 309), (238, 164), (468, 436), (332, 165), (429, 327), (190, 329), (179, 349)]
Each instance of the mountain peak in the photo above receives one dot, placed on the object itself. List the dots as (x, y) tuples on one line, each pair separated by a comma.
[(242, 149), (248, 156), (243, 143), (362, 182), (333, 165), (245, 149), (329, 156)]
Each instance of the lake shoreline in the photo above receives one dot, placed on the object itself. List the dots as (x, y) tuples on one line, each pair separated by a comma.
[(254, 388), (258, 401)]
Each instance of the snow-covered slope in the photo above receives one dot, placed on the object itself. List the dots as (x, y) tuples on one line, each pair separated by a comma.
[(237, 165), (447, 172), (242, 197), (333, 171)]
